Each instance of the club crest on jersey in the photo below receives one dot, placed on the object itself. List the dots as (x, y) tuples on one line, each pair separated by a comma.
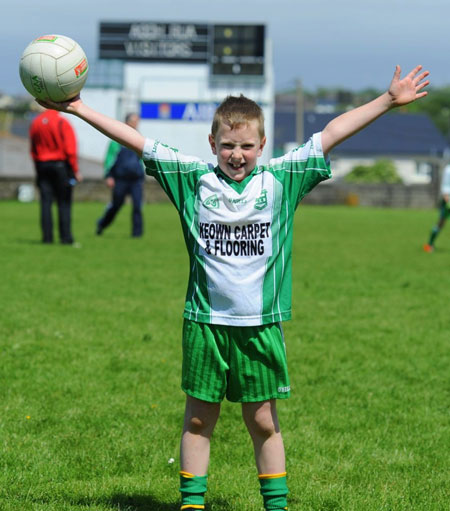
[(211, 202), (261, 201)]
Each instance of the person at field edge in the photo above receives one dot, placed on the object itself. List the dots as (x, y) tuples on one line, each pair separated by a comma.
[(54, 153), (237, 219), (444, 210), (124, 174)]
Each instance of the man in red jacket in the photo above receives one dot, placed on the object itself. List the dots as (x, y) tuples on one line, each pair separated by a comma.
[(54, 152)]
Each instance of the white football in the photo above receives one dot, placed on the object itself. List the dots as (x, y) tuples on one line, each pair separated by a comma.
[(53, 67)]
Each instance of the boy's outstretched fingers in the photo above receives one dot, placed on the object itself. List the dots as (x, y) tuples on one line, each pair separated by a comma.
[(44, 104), (397, 72), (414, 71), (416, 77), (62, 106), (420, 84), (410, 88)]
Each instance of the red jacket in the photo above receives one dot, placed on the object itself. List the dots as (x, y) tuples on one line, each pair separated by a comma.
[(53, 138)]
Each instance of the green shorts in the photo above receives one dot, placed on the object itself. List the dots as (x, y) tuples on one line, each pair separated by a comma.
[(245, 364), (444, 210)]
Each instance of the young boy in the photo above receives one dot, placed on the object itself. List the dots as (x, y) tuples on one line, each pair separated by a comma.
[(237, 220)]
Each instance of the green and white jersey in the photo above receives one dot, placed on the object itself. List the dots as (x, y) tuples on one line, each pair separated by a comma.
[(238, 235)]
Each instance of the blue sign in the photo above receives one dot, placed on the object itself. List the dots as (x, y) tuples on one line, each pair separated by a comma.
[(192, 112)]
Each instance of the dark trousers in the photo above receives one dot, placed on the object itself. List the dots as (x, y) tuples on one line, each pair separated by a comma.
[(53, 184), (122, 188)]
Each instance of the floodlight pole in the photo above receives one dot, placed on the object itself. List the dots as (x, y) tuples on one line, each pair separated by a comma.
[(299, 113)]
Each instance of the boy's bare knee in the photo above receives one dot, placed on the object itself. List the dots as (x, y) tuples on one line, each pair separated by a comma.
[(200, 417), (261, 420), (197, 425), (263, 427)]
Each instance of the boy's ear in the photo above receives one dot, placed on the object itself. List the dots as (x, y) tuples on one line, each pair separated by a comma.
[(212, 143), (261, 146)]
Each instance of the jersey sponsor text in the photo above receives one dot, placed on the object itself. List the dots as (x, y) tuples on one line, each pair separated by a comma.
[(240, 240)]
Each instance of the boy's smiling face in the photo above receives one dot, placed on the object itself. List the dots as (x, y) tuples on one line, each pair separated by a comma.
[(237, 148)]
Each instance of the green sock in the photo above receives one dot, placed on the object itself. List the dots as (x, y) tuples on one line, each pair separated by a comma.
[(433, 236), (193, 489), (274, 490)]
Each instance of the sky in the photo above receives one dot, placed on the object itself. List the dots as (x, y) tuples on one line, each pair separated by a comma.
[(349, 44)]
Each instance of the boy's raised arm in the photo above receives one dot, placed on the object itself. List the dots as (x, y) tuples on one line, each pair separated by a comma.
[(112, 128), (401, 92)]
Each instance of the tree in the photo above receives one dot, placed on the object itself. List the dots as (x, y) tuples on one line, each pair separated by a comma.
[(437, 106), (382, 171)]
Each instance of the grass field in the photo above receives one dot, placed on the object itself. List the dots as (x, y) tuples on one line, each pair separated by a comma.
[(91, 408)]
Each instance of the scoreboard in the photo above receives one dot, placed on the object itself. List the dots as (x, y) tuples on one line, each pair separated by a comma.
[(229, 50), (237, 50)]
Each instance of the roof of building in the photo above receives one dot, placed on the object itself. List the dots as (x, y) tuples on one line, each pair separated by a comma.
[(392, 134)]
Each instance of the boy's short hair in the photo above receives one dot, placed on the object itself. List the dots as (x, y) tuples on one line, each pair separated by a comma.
[(235, 111)]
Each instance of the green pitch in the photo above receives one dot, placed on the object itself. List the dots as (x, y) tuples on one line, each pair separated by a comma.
[(91, 408)]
